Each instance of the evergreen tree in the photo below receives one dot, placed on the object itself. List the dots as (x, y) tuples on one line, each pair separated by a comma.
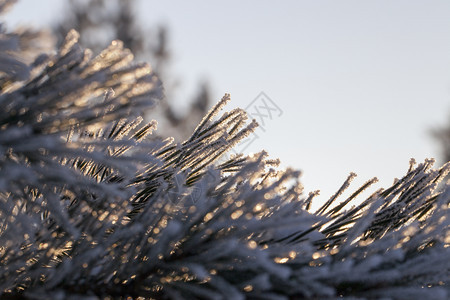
[(91, 207), (443, 136), (100, 21)]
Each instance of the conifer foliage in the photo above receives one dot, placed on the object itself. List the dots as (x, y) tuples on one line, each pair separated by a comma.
[(91, 206)]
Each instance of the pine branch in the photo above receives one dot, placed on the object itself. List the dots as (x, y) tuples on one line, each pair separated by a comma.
[(92, 205)]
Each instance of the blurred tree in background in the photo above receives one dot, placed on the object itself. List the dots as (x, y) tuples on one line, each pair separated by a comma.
[(100, 21), (443, 136)]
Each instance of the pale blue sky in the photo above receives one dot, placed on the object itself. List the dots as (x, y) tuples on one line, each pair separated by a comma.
[(360, 83)]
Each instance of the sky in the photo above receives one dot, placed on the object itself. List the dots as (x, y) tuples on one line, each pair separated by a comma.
[(349, 86)]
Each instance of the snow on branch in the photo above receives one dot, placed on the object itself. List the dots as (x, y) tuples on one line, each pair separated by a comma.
[(91, 205)]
